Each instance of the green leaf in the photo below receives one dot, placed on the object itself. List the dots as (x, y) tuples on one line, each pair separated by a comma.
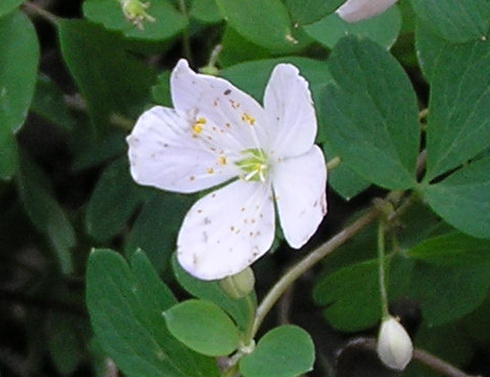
[(383, 29), (111, 81), (371, 115), (153, 291), (345, 181), (131, 328), (237, 49), (48, 103), (155, 229), (459, 109), (6, 6), (463, 199), (286, 351), (19, 58), (64, 342), (315, 72), (305, 12), (205, 11), (449, 293), (44, 211), (455, 20), (168, 22), (8, 153), (264, 22), (453, 249), (345, 291), (212, 291), (428, 48), (113, 202), (203, 327)]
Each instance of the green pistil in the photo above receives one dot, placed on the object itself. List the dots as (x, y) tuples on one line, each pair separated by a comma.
[(255, 165)]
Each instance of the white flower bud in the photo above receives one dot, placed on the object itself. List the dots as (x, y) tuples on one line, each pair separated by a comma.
[(358, 10), (394, 347), (239, 285)]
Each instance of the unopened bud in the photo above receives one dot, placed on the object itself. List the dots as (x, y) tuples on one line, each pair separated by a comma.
[(358, 10), (239, 285), (135, 12), (394, 347)]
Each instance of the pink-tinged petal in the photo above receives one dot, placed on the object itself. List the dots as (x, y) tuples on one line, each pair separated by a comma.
[(358, 10), (233, 119), (163, 153), (289, 108), (227, 230), (299, 185)]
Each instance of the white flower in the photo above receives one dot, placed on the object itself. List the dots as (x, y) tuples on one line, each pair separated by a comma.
[(394, 347), (358, 10), (218, 134)]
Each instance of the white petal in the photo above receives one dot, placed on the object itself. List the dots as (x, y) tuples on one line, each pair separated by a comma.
[(357, 10), (234, 119), (164, 154), (299, 188), (227, 230), (289, 108), (394, 346)]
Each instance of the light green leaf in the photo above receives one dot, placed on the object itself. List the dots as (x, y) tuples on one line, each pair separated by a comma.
[(203, 327), (286, 351), (455, 20), (452, 249), (463, 199), (7, 6), (44, 211), (48, 103), (305, 12), (264, 22), (459, 108), (370, 115), (19, 58), (113, 202), (168, 22), (383, 29), (111, 80), (130, 328), (238, 309)]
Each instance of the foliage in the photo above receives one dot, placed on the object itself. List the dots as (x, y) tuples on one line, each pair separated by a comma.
[(403, 108)]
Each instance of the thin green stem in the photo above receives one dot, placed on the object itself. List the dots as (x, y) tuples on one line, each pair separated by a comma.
[(308, 262), (185, 35), (381, 265), (252, 309)]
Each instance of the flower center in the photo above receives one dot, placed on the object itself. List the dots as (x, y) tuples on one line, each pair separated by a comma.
[(255, 165)]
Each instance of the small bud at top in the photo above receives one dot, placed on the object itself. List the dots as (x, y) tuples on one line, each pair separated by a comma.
[(135, 12), (394, 347), (239, 285)]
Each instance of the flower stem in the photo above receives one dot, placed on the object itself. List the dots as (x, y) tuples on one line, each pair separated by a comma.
[(33, 8), (185, 35), (308, 262), (437, 364), (381, 265)]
